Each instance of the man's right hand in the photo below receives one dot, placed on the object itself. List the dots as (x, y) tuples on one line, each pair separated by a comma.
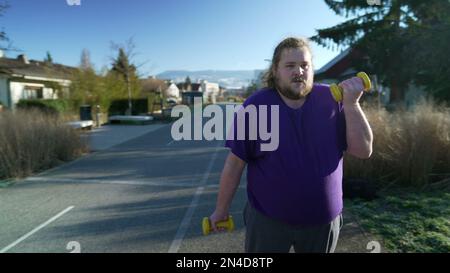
[(218, 217), (229, 181)]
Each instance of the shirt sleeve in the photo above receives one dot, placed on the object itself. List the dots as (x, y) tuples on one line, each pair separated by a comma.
[(240, 148)]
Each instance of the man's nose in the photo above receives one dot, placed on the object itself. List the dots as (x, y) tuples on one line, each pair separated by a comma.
[(300, 71)]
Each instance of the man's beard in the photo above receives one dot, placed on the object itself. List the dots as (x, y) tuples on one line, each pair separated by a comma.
[(292, 94)]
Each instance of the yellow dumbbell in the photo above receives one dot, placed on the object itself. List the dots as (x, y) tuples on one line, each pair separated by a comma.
[(337, 91), (228, 225)]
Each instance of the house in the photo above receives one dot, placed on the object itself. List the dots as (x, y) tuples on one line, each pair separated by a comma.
[(188, 97), (166, 88), (21, 78), (341, 67), (172, 92), (153, 85), (189, 87), (189, 91), (210, 91)]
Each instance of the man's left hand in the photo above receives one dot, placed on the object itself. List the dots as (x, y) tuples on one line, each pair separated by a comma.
[(353, 89)]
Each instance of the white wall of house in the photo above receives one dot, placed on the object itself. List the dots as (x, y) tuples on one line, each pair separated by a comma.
[(16, 89), (22, 90), (172, 92), (4, 91), (210, 91), (49, 93)]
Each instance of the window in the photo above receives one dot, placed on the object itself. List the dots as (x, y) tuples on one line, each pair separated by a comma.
[(33, 92)]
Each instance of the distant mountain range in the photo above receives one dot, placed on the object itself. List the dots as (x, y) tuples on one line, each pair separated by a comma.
[(225, 78)]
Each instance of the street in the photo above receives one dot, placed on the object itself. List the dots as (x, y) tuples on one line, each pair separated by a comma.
[(148, 194)]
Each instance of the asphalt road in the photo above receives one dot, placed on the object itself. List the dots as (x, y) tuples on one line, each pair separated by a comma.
[(148, 194)]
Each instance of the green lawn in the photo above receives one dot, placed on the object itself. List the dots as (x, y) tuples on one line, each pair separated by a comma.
[(407, 221)]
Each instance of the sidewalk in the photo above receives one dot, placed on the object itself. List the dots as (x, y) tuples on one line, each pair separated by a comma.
[(353, 239), (107, 136)]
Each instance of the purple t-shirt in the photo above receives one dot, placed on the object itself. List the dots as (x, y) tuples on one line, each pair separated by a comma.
[(300, 183)]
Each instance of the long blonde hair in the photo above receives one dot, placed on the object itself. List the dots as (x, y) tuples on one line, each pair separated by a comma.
[(290, 42)]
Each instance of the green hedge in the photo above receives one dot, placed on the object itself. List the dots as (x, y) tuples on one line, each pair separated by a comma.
[(119, 107), (48, 106)]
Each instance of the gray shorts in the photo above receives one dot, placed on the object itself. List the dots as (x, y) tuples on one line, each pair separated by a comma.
[(264, 234)]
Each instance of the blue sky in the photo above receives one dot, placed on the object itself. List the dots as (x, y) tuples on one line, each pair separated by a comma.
[(168, 34)]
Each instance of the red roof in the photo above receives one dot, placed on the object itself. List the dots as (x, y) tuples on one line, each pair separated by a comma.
[(336, 67)]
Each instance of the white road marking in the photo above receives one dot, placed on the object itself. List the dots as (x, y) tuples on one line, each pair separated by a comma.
[(24, 237), (168, 144), (183, 182), (175, 246)]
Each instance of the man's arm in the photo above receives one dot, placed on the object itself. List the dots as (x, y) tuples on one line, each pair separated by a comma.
[(359, 133), (229, 181)]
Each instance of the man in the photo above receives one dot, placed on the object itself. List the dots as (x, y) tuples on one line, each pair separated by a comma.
[(295, 192)]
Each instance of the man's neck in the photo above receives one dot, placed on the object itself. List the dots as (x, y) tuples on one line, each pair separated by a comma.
[(294, 104)]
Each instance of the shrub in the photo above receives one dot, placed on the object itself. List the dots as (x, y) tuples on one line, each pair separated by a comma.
[(31, 141), (50, 106), (411, 147), (120, 106)]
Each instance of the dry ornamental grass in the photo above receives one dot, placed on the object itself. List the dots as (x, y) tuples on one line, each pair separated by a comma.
[(411, 147), (31, 141)]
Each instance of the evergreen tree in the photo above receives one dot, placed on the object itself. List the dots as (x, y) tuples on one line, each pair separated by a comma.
[(122, 66), (187, 83), (390, 36), (48, 58), (127, 72)]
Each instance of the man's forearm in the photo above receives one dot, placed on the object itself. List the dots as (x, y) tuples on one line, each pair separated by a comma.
[(229, 181), (359, 133)]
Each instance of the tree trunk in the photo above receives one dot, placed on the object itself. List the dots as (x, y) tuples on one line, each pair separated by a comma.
[(130, 107), (397, 93)]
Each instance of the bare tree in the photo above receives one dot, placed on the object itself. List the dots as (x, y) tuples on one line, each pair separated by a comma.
[(3, 37), (123, 65)]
